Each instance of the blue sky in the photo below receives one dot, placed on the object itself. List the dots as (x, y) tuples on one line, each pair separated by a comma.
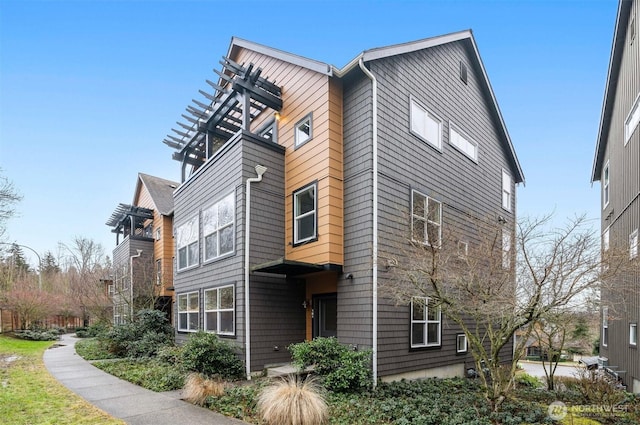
[(89, 89)]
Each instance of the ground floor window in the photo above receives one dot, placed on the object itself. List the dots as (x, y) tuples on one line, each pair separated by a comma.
[(461, 343), (219, 310), (426, 323), (188, 311)]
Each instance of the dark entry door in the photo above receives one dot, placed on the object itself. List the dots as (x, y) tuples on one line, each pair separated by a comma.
[(325, 315)]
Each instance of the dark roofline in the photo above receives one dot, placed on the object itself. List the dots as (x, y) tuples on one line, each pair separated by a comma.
[(617, 46)]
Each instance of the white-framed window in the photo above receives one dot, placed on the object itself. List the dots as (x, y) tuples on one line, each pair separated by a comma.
[(269, 131), (605, 185), (304, 130), (426, 323), (506, 190), (218, 228), (506, 249), (605, 326), (633, 334), (426, 219), (461, 343), (633, 244), (158, 233), (425, 124), (110, 290), (158, 272), (219, 310), (187, 244), (189, 311), (605, 239), (305, 208), (463, 143), (631, 123), (463, 249)]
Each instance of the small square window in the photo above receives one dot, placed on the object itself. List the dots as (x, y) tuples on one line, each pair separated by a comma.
[(461, 343), (303, 131)]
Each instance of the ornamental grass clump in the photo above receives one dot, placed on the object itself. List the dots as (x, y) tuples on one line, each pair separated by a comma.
[(293, 401), (197, 388)]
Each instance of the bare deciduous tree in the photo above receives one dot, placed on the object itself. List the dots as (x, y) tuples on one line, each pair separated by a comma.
[(8, 198), (492, 290)]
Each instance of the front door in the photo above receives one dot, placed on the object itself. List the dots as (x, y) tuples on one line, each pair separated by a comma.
[(325, 315)]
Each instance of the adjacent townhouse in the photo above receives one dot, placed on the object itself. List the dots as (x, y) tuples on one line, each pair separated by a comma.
[(143, 256), (296, 175), (617, 167)]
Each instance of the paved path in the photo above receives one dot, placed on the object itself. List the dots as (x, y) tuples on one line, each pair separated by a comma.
[(535, 369), (121, 399)]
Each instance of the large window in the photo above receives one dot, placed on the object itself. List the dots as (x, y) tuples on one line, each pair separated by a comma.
[(605, 326), (425, 124), (219, 312), (506, 249), (632, 120), (218, 228), (633, 244), (506, 191), (303, 131), (305, 203), (426, 323), (187, 241), (463, 143), (188, 311), (426, 219), (605, 185)]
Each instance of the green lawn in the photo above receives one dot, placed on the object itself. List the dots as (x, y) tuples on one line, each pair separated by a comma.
[(29, 395)]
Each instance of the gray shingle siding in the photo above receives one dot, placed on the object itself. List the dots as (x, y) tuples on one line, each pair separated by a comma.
[(406, 162)]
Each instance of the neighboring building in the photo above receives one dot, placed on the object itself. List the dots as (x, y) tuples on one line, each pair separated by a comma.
[(617, 167), (144, 256), (296, 173)]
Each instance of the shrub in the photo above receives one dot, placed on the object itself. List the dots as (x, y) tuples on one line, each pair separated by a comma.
[(93, 349), (37, 335), (342, 369), (148, 373), (293, 401), (526, 380), (171, 354), (143, 337), (197, 388), (206, 353)]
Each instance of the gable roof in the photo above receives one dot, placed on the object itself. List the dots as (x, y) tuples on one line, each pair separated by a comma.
[(463, 36), (617, 47), (160, 190), (392, 50)]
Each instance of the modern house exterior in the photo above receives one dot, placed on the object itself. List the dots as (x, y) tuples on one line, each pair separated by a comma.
[(297, 175), (143, 258), (617, 167)]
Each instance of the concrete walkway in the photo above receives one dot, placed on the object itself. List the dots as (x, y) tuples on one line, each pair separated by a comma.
[(121, 399)]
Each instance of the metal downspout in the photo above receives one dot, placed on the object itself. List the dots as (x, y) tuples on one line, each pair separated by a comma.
[(374, 253), (260, 170)]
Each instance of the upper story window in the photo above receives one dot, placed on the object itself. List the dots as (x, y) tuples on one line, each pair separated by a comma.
[(631, 123), (463, 143), (461, 343), (605, 239), (633, 334), (189, 311), (219, 310), (425, 124), (158, 234), (305, 204), (506, 191), (269, 131), (187, 243), (158, 272), (426, 219), (506, 249), (633, 244), (218, 228), (304, 130), (605, 184), (426, 323)]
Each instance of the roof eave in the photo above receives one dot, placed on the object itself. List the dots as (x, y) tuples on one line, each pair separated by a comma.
[(617, 45)]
